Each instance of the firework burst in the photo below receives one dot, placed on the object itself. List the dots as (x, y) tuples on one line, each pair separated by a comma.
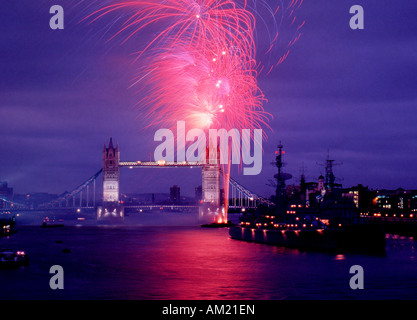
[(201, 66)]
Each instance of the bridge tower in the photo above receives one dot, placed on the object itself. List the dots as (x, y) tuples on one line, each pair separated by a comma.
[(211, 177), (212, 210), (111, 173), (111, 209)]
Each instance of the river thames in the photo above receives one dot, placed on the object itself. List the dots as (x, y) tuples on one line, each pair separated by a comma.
[(193, 263)]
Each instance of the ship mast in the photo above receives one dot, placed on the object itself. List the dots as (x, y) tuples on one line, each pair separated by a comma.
[(280, 189), (330, 177)]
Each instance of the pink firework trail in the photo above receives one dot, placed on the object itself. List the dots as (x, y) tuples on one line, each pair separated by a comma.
[(201, 66), (201, 23), (205, 90)]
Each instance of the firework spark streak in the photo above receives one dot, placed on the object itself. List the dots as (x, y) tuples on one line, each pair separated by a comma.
[(201, 66)]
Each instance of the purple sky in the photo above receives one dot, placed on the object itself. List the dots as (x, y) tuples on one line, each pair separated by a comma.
[(353, 92)]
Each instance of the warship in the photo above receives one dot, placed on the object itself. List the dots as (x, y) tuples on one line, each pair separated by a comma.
[(321, 219)]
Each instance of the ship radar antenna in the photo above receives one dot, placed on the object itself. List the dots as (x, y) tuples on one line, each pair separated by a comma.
[(329, 177)]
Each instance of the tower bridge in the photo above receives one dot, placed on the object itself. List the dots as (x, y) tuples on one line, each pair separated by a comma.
[(210, 209), (110, 207)]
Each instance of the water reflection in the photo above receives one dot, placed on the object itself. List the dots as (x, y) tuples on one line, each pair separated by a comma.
[(195, 263)]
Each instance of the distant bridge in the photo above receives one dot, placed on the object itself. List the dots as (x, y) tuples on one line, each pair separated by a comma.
[(8, 204)]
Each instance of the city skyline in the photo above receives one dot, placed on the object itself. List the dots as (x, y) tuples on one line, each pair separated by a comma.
[(352, 92)]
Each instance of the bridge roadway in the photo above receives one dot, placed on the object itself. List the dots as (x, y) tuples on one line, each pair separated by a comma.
[(159, 164), (94, 208), (172, 207)]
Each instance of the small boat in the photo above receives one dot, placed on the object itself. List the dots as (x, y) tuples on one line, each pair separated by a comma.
[(51, 225), (13, 259)]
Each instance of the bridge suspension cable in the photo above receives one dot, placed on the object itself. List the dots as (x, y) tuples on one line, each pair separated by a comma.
[(77, 191), (11, 204), (249, 194)]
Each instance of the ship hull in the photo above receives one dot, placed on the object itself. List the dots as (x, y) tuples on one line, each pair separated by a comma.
[(369, 239)]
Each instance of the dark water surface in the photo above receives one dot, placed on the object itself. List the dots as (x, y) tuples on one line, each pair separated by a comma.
[(167, 262)]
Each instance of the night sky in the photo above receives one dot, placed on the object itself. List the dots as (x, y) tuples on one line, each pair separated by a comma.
[(352, 93)]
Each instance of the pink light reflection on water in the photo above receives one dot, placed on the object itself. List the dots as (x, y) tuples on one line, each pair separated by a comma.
[(204, 264)]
